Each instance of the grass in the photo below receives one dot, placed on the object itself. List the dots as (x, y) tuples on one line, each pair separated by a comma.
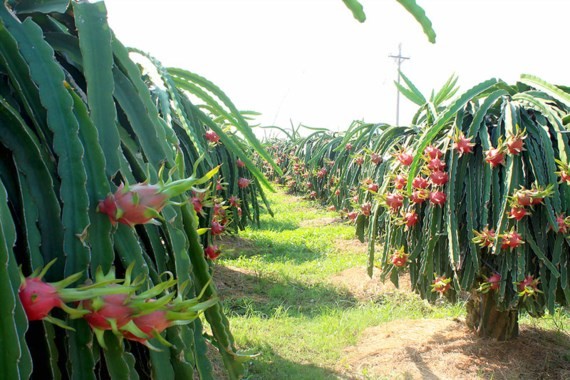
[(295, 319), (285, 308)]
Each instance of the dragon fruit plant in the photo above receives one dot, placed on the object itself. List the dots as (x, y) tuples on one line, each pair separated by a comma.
[(111, 304), (81, 126), (476, 191), (484, 176)]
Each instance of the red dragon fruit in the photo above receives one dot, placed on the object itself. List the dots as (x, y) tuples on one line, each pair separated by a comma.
[(149, 324), (394, 201), (485, 238), (420, 183), (39, 298), (359, 160), (435, 164), (212, 252), (212, 136), (404, 157), (243, 183), (400, 181), (511, 240), (399, 258), (420, 196), (352, 215), (108, 312), (142, 202), (216, 228), (138, 204), (234, 201), (376, 158), (462, 144), (437, 198), (373, 187), (439, 178), (240, 163), (563, 223), (491, 283), (441, 285), (528, 286), (410, 219), (518, 213), (495, 156), (366, 208), (433, 152), (515, 143)]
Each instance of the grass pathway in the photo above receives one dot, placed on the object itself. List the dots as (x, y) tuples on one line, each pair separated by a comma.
[(275, 282)]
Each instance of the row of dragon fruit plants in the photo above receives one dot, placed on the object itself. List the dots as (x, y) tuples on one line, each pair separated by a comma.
[(472, 196), (115, 186)]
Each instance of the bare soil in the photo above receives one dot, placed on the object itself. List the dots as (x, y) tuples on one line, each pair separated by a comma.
[(357, 282), (446, 349), (319, 222)]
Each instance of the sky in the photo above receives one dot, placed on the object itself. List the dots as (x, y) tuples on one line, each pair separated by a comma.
[(311, 62)]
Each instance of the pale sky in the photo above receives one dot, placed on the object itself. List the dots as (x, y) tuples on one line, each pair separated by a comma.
[(311, 62)]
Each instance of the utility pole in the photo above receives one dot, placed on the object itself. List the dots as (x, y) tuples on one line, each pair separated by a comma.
[(399, 58)]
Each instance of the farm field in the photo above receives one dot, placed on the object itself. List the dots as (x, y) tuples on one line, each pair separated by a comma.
[(151, 228), (297, 294)]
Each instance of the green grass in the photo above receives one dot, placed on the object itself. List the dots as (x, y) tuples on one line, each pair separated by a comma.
[(289, 313)]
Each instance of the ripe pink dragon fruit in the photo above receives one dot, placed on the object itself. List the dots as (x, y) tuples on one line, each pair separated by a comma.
[(142, 202), (139, 204), (420, 183), (243, 183), (439, 178), (38, 298), (108, 310), (212, 136), (463, 145), (216, 228), (437, 198), (433, 152), (212, 252), (150, 324)]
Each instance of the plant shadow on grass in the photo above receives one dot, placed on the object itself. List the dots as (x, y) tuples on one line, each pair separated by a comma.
[(272, 224), (270, 365), (251, 294), (268, 250)]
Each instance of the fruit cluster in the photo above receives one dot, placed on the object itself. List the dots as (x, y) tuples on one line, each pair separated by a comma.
[(122, 306)]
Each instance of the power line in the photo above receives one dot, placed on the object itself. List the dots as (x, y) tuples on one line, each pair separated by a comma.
[(399, 58)]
